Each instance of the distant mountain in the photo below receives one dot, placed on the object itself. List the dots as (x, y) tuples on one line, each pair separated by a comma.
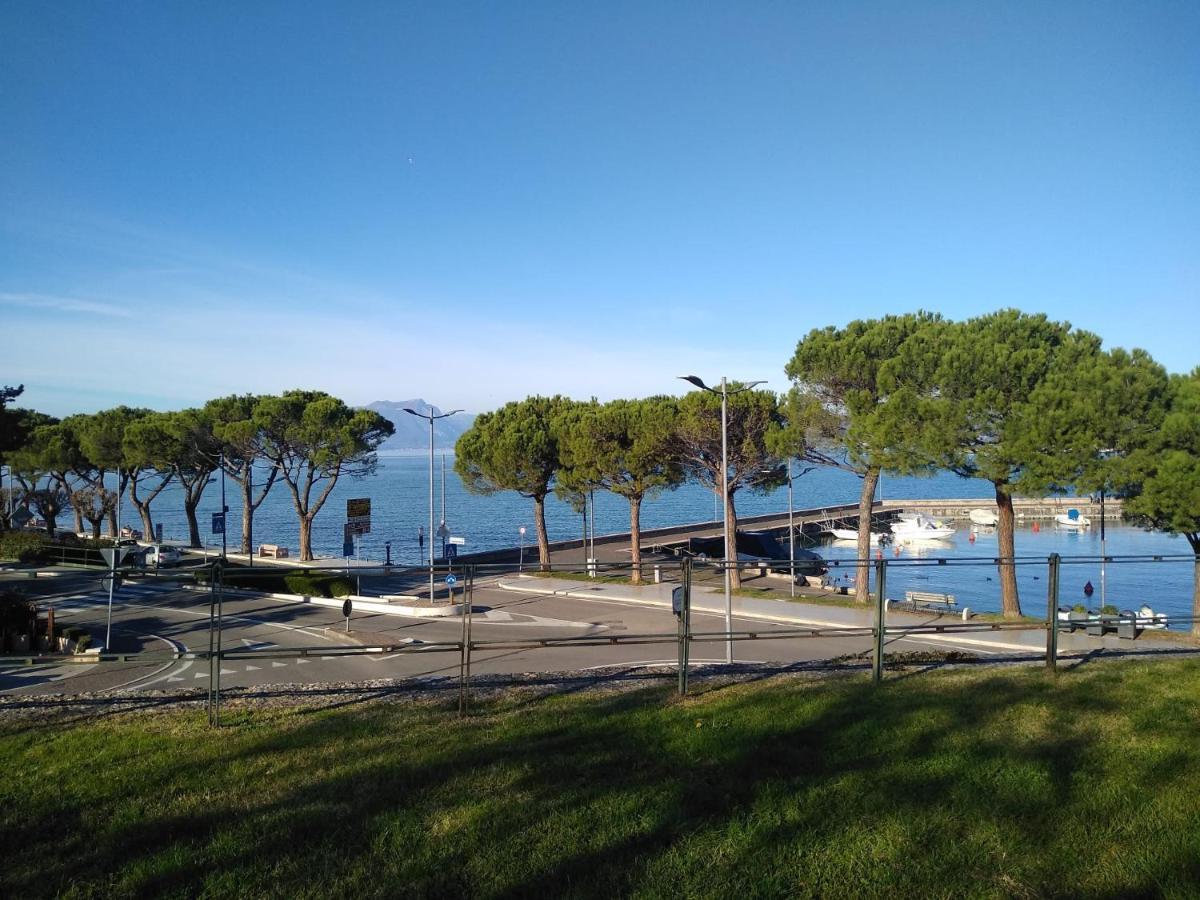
[(413, 433)]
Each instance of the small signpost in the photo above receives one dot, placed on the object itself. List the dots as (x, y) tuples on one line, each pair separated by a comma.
[(347, 608), (358, 515), (451, 581), (347, 540), (218, 523)]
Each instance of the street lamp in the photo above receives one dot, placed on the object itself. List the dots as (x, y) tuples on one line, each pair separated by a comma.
[(431, 418), (724, 393)]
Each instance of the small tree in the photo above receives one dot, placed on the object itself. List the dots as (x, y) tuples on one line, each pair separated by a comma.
[(623, 447), (516, 448), (313, 438), (1162, 477), (753, 463)]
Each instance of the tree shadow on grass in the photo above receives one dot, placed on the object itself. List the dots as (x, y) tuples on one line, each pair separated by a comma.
[(949, 785)]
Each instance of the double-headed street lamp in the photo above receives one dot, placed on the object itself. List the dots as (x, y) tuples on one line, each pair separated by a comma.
[(724, 393), (431, 418)]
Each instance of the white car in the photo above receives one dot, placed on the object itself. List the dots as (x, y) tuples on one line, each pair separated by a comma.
[(159, 556)]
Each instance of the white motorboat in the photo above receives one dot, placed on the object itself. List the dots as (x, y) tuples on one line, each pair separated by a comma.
[(916, 527), (1072, 518), (849, 534), (984, 516)]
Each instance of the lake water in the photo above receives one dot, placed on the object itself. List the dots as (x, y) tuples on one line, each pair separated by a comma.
[(399, 494)]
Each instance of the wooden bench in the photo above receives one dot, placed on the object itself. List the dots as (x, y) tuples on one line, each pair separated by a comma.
[(928, 598), (272, 551)]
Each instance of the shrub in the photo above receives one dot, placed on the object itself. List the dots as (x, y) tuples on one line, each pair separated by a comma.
[(306, 585), (83, 642), (1079, 608), (22, 546), (1109, 610), (340, 587)]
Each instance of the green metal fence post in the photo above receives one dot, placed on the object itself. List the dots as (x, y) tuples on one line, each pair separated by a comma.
[(1052, 613), (880, 619), (685, 626)]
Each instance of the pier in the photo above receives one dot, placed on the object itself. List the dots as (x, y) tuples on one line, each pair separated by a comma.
[(809, 524)]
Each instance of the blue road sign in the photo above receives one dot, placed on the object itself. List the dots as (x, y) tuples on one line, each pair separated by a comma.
[(218, 523), (451, 580)]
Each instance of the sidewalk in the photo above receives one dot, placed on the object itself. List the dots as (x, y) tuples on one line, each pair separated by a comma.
[(708, 601)]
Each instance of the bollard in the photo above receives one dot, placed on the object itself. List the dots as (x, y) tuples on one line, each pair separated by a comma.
[(658, 574), (880, 619), (1052, 613)]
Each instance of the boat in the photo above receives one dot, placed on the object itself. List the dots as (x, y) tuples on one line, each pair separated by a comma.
[(849, 534), (1072, 518), (984, 516), (1149, 620), (916, 527)]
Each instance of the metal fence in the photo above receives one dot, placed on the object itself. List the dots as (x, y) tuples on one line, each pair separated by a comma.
[(222, 581)]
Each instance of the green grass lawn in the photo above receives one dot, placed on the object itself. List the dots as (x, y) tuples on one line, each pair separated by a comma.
[(958, 783)]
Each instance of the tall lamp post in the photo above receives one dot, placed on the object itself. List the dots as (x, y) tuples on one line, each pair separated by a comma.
[(431, 418), (724, 393)]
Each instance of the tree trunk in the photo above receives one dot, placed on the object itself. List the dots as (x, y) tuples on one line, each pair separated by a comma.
[(247, 517), (143, 508), (1010, 603), (635, 539), (539, 522), (306, 553), (866, 500), (95, 523), (76, 511), (731, 556), (189, 509)]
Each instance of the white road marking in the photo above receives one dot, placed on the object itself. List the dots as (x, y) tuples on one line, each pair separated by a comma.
[(250, 668), (278, 665), (673, 662)]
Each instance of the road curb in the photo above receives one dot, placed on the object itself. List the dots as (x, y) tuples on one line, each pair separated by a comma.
[(743, 614)]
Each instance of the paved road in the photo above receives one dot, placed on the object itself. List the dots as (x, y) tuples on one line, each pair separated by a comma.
[(163, 617)]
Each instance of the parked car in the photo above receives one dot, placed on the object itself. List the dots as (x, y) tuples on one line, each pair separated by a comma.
[(158, 556)]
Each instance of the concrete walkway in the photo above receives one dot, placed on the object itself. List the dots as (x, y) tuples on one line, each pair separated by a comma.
[(818, 615)]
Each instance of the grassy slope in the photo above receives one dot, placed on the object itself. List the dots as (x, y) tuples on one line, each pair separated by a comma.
[(950, 784)]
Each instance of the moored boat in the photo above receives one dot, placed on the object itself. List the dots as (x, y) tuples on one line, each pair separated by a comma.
[(984, 516), (916, 527), (1072, 518)]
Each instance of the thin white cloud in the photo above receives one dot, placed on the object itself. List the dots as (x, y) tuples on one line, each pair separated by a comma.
[(64, 304)]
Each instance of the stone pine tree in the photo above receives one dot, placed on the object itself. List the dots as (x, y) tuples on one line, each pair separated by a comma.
[(624, 447), (101, 438), (147, 447), (753, 464), (1021, 403), (1162, 478), (239, 442), (192, 456), (314, 440), (852, 407), (516, 448)]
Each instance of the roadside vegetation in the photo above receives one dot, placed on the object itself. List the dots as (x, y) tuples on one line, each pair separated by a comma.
[(970, 782)]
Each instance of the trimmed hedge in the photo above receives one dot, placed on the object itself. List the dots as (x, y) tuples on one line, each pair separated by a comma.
[(21, 546), (307, 584)]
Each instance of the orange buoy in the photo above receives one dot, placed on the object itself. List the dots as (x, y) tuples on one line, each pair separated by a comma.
[(1037, 527), (971, 537)]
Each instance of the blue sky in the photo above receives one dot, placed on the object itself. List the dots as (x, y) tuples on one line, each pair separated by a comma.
[(471, 203)]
